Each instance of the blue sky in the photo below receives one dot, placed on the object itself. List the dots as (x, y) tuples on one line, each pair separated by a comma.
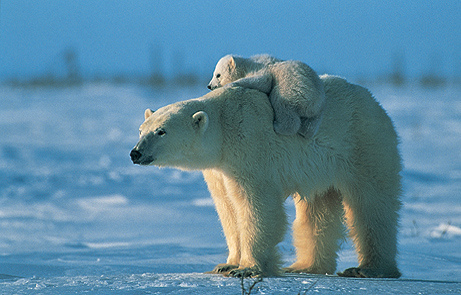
[(349, 38)]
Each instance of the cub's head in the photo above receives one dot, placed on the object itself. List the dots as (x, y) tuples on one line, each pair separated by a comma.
[(226, 71), (178, 135)]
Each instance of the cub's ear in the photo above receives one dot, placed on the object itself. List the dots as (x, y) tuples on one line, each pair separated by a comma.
[(232, 64), (147, 113), (200, 121)]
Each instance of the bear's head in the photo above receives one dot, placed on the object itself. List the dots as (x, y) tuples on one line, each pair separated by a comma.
[(227, 70), (178, 135)]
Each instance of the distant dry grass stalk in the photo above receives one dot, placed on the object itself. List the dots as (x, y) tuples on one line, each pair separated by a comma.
[(256, 281), (310, 287)]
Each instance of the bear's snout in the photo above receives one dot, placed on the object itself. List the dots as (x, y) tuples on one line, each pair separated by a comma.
[(210, 87), (135, 156)]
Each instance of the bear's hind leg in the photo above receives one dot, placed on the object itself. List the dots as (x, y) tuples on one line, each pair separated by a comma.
[(317, 232), (373, 225)]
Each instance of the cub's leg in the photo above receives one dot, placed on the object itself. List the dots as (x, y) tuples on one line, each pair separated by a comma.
[(262, 82), (217, 187), (317, 232), (372, 225), (287, 121), (309, 126)]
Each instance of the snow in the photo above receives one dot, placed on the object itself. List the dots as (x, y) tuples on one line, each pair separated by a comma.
[(77, 216)]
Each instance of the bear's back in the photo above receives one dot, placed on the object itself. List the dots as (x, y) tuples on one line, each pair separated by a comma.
[(355, 108), (357, 124)]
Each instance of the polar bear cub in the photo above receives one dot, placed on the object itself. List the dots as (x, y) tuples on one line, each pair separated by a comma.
[(294, 89)]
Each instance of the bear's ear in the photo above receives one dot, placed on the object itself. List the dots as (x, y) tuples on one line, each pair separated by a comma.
[(147, 113), (200, 121)]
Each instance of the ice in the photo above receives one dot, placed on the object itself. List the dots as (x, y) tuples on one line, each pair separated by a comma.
[(446, 230), (77, 216)]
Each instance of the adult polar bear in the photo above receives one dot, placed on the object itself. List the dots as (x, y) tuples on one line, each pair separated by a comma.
[(348, 170)]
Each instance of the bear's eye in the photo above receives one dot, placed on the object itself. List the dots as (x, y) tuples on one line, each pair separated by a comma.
[(218, 75), (160, 132)]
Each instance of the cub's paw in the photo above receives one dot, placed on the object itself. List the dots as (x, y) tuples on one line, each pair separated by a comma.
[(286, 128), (356, 272), (309, 126), (223, 268), (247, 272)]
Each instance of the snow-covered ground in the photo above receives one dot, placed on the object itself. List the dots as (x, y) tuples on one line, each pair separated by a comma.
[(77, 216)]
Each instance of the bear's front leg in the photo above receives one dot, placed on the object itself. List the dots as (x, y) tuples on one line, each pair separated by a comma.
[(216, 182), (261, 221)]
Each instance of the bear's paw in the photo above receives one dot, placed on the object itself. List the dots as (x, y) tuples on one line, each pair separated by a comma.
[(223, 268), (247, 272), (357, 272), (309, 270)]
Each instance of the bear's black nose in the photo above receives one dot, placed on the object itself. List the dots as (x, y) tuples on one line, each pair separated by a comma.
[(135, 156), (209, 86)]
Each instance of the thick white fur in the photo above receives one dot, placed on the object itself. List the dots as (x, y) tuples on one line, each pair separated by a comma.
[(348, 170), (294, 89)]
